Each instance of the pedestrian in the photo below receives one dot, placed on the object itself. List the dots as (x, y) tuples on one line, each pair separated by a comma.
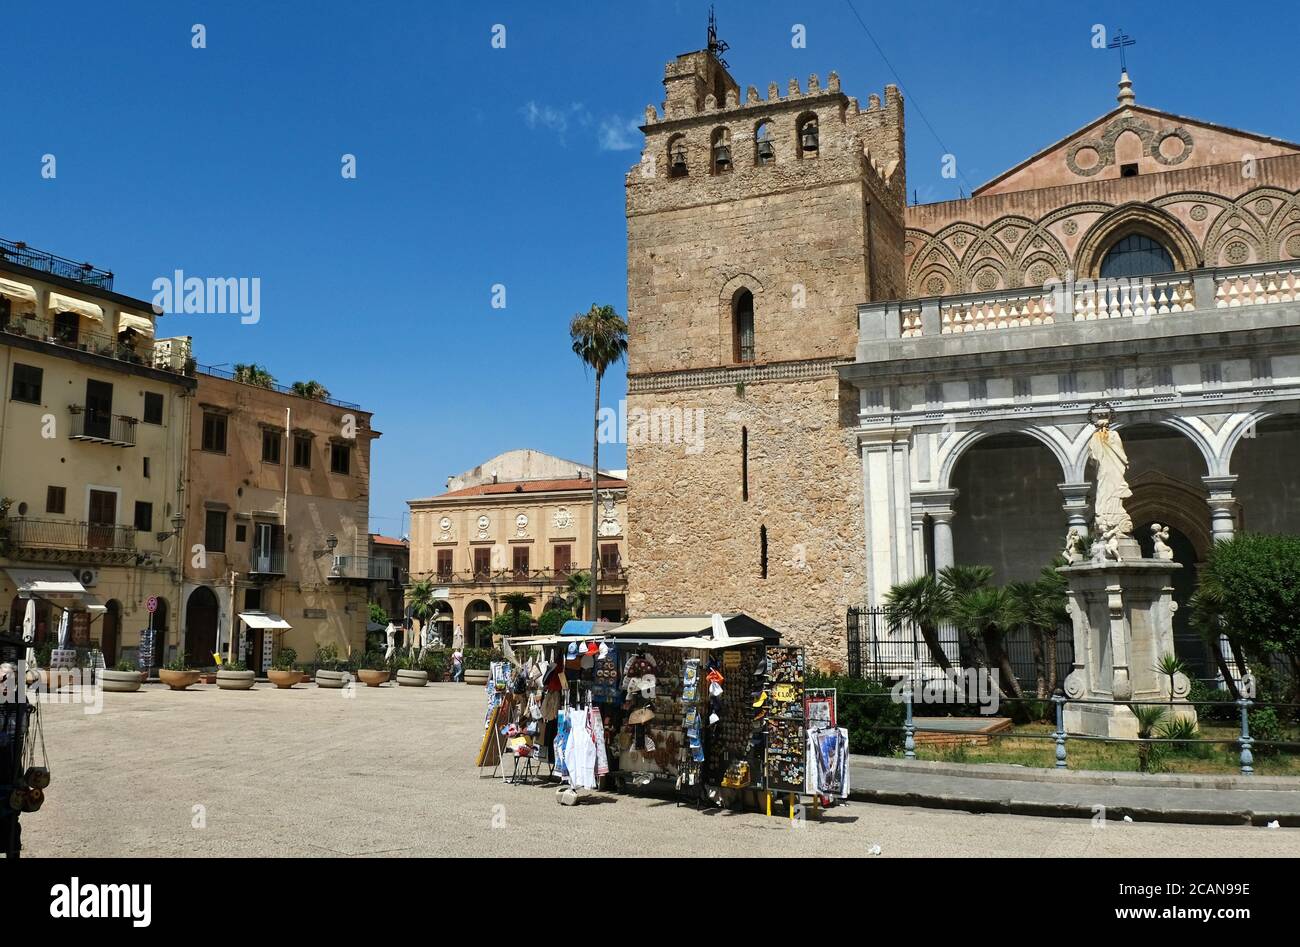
[(457, 666)]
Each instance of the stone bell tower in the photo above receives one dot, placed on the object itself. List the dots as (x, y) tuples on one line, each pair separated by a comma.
[(756, 226)]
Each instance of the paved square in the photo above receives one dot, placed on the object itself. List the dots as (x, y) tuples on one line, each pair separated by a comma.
[(390, 772)]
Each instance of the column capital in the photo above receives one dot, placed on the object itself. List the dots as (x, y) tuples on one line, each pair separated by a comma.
[(935, 503), (1075, 492), (1220, 487)]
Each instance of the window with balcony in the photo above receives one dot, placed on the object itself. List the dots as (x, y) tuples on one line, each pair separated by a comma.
[(268, 549), (340, 458), (609, 558), (271, 446), (444, 565), (26, 385), (302, 452), (67, 327), (56, 499), (101, 519), (153, 408), (482, 563), (214, 432), (214, 531), (563, 560), (520, 562)]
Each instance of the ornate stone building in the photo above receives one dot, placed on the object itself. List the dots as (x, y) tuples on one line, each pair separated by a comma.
[(891, 389)]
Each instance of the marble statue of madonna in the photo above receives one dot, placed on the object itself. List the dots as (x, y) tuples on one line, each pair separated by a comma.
[(1106, 450)]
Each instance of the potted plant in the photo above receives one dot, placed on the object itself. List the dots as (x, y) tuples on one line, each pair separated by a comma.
[(283, 674), (374, 669), (125, 678), (178, 675), (330, 671), (477, 661), (235, 676)]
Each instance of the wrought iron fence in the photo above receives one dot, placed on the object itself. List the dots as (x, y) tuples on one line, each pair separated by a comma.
[(168, 355), (23, 255), (102, 427), (70, 534)]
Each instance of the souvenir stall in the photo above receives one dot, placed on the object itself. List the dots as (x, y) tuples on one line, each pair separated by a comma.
[(716, 717)]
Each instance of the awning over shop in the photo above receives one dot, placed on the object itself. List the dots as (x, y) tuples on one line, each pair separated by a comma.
[(17, 290), (264, 620), (141, 324), (575, 627), (738, 624), (56, 586), (60, 303), (703, 644)]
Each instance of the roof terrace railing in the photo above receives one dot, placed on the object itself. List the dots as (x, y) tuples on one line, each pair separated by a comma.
[(23, 255)]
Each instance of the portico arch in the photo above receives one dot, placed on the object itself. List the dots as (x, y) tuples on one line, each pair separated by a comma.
[(952, 455)]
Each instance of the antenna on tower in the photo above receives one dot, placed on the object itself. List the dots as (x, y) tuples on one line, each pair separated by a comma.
[(716, 46)]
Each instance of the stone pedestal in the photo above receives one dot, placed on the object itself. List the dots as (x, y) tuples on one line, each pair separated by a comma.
[(1123, 624)]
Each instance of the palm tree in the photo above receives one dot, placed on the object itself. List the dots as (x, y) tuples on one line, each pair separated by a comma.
[(518, 603), (923, 602), (311, 389), (990, 613), (254, 374), (599, 338), (1148, 718), (422, 601), (1041, 605), (578, 591)]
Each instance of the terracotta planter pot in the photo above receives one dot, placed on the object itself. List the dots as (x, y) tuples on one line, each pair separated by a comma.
[(124, 682), (284, 679), (207, 677), (332, 679), (178, 680), (235, 680), (412, 678), (477, 678), (372, 678), (57, 680)]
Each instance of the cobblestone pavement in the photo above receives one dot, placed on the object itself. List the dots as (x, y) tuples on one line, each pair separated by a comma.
[(390, 772)]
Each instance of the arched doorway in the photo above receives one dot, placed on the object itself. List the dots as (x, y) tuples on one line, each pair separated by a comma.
[(478, 615), (110, 635), (159, 624), (443, 622), (1007, 513), (201, 615), (1188, 644)]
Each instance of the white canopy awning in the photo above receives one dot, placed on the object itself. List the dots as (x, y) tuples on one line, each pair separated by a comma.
[(57, 586), (60, 303), (17, 290), (129, 320), (263, 620)]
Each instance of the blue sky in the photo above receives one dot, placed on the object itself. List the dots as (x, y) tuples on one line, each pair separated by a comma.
[(478, 166)]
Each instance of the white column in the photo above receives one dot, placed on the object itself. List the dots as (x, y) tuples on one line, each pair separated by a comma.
[(1223, 506), (886, 501)]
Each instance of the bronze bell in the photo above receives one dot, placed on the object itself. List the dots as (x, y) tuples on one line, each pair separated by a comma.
[(809, 138), (679, 162), (722, 157), (766, 152)]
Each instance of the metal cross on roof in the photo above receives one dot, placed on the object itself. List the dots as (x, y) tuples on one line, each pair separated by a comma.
[(1121, 40)]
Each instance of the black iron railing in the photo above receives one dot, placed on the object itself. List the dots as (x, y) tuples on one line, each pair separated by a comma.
[(511, 576), (273, 386), (102, 428), (23, 255), (169, 355), (266, 562), (70, 534)]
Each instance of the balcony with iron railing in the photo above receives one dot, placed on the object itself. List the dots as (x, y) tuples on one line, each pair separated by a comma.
[(70, 539), (99, 427), (21, 254), (130, 347), (267, 562), (1141, 300), (364, 568), (608, 575)]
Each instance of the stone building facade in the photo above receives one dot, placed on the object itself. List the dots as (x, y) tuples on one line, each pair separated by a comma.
[(928, 403), (494, 535)]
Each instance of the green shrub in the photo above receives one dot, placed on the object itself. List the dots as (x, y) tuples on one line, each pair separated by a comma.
[(1264, 725), (177, 664), (125, 665), (866, 709), (234, 666), (43, 654), (1184, 729), (327, 658), (478, 659), (434, 661), (284, 661), (553, 620), (373, 661)]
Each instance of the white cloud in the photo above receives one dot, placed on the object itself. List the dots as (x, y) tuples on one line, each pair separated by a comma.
[(618, 134)]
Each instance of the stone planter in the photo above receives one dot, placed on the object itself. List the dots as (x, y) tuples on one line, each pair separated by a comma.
[(476, 677), (178, 680), (284, 679), (120, 681), (334, 679), (372, 678), (207, 677), (235, 680), (412, 678)]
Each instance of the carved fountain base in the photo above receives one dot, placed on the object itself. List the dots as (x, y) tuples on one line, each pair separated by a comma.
[(1123, 625)]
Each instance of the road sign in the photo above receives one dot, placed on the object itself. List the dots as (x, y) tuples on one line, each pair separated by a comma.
[(151, 604)]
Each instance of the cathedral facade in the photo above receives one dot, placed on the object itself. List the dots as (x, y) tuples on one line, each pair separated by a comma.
[(889, 389)]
